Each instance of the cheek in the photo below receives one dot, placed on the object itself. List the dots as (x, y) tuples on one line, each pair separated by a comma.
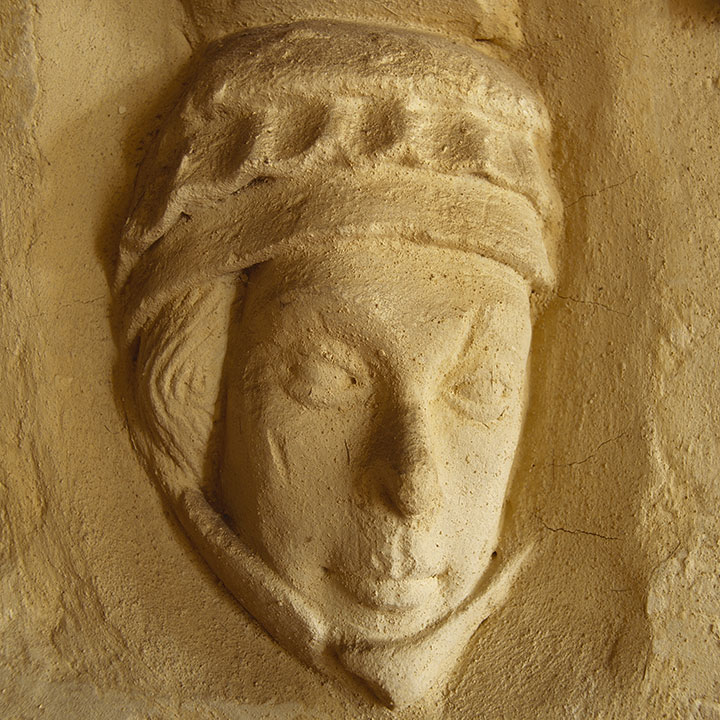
[(299, 475), (476, 470)]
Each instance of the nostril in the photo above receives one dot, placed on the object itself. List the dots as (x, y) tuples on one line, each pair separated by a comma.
[(394, 497)]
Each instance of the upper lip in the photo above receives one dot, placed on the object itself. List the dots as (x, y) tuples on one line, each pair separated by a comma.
[(385, 590)]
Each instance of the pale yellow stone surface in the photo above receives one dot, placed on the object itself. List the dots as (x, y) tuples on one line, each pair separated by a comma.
[(108, 611)]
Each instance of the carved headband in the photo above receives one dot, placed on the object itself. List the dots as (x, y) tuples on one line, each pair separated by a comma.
[(327, 130)]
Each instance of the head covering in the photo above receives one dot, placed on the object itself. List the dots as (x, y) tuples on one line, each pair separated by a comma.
[(330, 130)]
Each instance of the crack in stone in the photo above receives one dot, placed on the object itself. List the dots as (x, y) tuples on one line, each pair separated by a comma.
[(595, 303), (577, 531), (601, 190), (592, 455)]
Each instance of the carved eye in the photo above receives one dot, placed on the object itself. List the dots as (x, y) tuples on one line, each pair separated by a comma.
[(319, 380), (483, 396)]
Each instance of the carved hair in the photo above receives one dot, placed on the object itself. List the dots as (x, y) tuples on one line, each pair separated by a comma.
[(176, 378)]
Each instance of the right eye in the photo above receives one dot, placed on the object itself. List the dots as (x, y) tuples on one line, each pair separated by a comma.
[(319, 381)]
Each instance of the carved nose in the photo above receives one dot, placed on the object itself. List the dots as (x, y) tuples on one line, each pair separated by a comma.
[(412, 487)]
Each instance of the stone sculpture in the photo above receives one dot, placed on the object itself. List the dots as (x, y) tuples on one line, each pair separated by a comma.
[(326, 287)]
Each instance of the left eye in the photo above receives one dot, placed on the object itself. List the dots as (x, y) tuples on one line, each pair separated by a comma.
[(319, 382), (482, 397)]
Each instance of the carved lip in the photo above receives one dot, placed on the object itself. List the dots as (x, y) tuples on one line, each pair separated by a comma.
[(382, 592)]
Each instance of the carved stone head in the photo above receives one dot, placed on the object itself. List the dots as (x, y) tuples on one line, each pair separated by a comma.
[(327, 285)]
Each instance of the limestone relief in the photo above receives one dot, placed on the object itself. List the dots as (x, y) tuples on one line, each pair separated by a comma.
[(313, 406), (326, 288)]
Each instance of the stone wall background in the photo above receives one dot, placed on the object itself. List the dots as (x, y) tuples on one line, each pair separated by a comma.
[(108, 612)]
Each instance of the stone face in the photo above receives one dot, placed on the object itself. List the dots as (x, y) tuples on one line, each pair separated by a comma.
[(119, 600), (328, 376)]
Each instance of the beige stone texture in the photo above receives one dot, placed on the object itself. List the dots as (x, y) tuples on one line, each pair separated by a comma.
[(108, 609)]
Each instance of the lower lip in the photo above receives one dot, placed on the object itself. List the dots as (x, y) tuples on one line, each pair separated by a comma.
[(390, 594)]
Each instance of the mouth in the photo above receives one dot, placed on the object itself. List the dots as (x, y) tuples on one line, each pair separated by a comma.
[(382, 592)]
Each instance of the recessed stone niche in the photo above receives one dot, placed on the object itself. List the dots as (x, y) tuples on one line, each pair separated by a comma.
[(360, 360)]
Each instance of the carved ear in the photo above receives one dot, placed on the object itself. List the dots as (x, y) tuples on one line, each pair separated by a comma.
[(177, 379)]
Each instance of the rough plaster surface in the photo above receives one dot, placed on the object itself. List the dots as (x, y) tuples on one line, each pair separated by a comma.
[(108, 611)]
